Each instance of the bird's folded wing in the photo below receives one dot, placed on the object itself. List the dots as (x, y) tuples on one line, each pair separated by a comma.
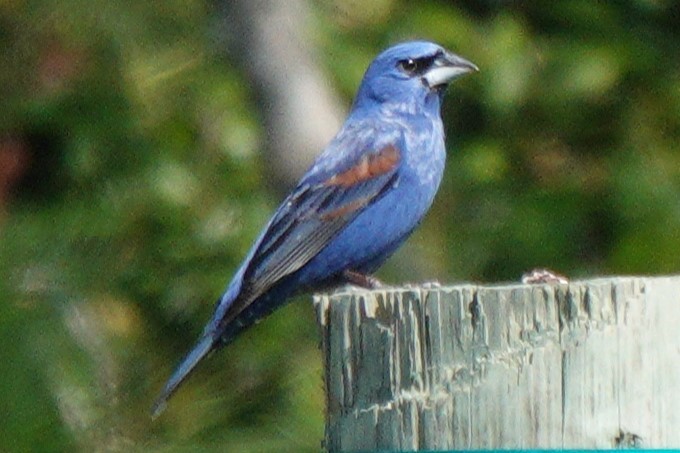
[(312, 216)]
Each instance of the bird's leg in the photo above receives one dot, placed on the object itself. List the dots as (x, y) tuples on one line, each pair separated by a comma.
[(362, 280)]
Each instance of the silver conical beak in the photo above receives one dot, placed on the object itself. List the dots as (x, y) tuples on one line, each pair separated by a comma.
[(446, 68)]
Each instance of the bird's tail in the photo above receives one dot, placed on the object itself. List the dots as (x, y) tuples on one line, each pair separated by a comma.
[(204, 346)]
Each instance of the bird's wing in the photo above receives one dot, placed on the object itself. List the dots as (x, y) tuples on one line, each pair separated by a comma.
[(312, 216), (317, 210)]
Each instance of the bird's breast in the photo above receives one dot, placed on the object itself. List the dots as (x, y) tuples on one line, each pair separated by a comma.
[(425, 155)]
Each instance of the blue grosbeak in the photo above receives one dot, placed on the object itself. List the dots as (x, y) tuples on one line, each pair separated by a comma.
[(358, 202)]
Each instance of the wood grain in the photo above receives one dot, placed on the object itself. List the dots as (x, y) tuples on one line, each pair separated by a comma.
[(589, 364)]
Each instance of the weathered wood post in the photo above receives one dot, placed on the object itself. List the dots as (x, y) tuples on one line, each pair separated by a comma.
[(589, 364)]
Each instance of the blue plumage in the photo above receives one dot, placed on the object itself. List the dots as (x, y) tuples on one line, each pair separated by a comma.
[(357, 203)]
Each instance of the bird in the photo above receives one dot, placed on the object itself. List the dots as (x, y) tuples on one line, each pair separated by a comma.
[(357, 203)]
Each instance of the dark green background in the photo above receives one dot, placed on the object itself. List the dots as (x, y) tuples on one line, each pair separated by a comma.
[(142, 186)]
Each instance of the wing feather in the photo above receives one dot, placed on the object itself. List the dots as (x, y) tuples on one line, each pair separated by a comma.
[(310, 218)]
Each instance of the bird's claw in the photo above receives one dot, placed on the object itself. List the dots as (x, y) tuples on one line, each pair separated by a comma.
[(540, 276)]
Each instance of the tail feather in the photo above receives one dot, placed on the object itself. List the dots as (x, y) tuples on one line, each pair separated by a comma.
[(204, 346)]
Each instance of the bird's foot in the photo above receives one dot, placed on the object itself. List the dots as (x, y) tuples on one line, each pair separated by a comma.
[(538, 276), (362, 280)]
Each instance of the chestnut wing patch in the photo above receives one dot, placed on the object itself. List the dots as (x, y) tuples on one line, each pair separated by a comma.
[(369, 167), (311, 217)]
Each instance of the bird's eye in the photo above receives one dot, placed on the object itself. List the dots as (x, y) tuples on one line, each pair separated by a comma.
[(413, 66), (409, 66)]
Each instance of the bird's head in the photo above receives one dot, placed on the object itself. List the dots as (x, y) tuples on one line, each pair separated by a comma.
[(410, 74)]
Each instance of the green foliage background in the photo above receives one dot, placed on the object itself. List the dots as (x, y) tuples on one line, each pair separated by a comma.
[(145, 188)]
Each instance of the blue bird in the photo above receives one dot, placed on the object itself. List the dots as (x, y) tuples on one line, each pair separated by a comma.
[(355, 206)]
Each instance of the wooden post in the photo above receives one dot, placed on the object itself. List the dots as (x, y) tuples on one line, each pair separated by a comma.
[(589, 364)]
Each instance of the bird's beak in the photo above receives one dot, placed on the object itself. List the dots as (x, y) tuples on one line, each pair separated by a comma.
[(446, 67)]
